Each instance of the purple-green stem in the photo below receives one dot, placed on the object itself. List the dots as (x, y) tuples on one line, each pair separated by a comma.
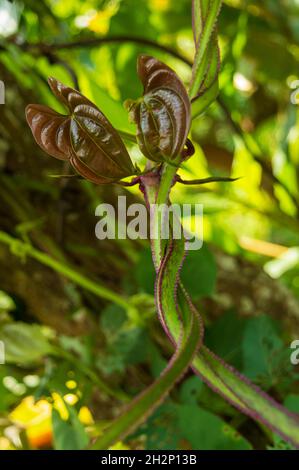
[(182, 324), (221, 377), (188, 342)]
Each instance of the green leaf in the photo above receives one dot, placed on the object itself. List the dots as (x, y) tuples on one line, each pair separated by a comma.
[(206, 431), (6, 302), (262, 348), (199, 272), (70, 434), (7, 398), (292, 403), (225, 337), (126, 344), (112, 319), (190, 390), (194, 391), (177, 426), (24, 344), (161, 430), (144, 272)]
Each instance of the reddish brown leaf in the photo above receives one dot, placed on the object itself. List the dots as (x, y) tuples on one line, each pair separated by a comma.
[(163, 114), (85, 137)]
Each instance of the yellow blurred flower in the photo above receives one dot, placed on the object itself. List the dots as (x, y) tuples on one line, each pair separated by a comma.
[(5, 444), (100, 21), (29, 412), (35, 418), (59, 405), (97, 21), (159, 5), (85, 416), (119, 446), (71, 398), (71, 384)]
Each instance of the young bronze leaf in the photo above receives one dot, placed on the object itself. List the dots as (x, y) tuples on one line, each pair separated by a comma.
[(85, 137), (163, 114), (50, 130)]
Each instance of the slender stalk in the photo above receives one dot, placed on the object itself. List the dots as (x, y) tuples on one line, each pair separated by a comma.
[(210, 179), (202, 46), (23, 212), (96, 41), (20, 247), (167, 177)]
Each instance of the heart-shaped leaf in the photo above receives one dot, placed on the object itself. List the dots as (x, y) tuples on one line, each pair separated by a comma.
[(163, 113), (85, 137)]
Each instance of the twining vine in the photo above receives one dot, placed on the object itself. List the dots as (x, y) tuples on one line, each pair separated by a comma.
[(88, 141)]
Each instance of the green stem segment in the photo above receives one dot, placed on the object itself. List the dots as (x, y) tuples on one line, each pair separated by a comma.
[(202, 46), (25, 249)]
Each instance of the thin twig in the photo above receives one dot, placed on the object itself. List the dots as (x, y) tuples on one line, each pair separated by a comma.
[(210, 179), (55, 59), (93, 42)]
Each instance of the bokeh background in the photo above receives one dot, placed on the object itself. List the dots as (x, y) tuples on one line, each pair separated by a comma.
[(79, 344)]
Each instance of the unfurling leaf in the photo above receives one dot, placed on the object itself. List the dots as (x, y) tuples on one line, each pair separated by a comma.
[(84, 137), (163, 113)]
